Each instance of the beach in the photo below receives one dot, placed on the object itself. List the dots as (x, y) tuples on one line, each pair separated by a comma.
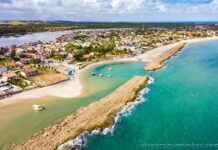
[(57, 88), (157, 61), (101, 115), (65, 89), (74, 87)]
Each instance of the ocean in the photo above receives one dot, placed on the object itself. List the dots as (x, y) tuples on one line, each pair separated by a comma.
[(181, 108)]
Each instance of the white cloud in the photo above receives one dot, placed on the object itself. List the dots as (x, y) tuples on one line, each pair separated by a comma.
[(105, 10)]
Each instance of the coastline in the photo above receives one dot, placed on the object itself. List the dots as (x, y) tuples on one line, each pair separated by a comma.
[(75, 87), (121, 60), (101, 115), (157, 62)]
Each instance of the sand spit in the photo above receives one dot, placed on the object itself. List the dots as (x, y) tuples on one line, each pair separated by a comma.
[(157, 62), (99, 114)]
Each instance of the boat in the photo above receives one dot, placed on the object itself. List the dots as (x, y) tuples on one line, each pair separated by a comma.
[(38, 107), (110, 69), (93, 74), (101, 75)]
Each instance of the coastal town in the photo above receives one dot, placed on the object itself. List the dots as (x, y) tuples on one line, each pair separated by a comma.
[(108, 74), (39, 64)]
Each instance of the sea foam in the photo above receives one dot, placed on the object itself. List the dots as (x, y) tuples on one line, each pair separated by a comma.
[(80, 141)]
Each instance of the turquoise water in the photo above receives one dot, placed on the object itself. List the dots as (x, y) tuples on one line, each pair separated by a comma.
[(181, 107), (19, 122)]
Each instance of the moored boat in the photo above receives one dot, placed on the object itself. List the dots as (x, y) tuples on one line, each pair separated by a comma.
[(101, 75), (38, 107), (110, 69)]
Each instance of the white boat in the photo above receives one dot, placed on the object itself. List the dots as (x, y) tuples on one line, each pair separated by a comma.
[(38, 107), (101, 75), (110, 69)]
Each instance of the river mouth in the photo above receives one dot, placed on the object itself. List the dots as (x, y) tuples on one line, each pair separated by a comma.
[(181, 106), (19, 122)]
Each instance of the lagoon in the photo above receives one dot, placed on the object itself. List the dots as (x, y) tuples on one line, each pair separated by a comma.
[(34, 37), (42, 36), (19, 122)]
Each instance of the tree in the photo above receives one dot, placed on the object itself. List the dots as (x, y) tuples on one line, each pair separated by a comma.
[(13, 53), (78, 56), (69, 47), (35, 61), (52, 54), (3, 50)]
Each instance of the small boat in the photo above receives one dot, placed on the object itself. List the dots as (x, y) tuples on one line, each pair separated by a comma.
[(101, 75), (93, 74), (38, 107), (110, 69)]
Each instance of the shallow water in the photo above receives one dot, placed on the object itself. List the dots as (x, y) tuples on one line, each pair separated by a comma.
[(19, 122), (181, 107)]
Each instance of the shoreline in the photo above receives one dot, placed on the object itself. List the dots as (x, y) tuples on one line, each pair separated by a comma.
[(98, 117), (75, 87), (156, 63), (80, 140)]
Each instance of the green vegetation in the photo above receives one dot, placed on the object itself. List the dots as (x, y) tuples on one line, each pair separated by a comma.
[(18, 82), (9, 29), (70, 47), (35, 61), (57, 56), (98, 51), (44, 69)]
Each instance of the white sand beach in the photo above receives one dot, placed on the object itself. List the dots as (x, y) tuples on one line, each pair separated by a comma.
[(66, 89), (148, 56), (73, 87)]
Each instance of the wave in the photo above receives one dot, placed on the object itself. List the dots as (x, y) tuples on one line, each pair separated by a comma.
[(151, 80), (80, 141)]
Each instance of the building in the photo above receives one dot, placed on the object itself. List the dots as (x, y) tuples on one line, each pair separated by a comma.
[(24, 61), (3, 70), (8, 76), (12, 64), (28, 72)]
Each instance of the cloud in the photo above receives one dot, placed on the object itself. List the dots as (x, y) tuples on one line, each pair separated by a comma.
[(187, 1), (108, 10)]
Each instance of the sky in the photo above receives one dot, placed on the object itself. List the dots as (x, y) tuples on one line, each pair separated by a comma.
[(110, 10)]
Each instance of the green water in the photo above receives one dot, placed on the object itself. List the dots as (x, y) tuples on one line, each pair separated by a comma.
[(19, 122), (181, 107)]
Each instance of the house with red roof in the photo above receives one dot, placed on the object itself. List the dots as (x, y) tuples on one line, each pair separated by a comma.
[(28, 72), (10, 75)]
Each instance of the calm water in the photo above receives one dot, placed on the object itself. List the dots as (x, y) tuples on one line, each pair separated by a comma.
[(43, 36), (181, 107), (19, 122)]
